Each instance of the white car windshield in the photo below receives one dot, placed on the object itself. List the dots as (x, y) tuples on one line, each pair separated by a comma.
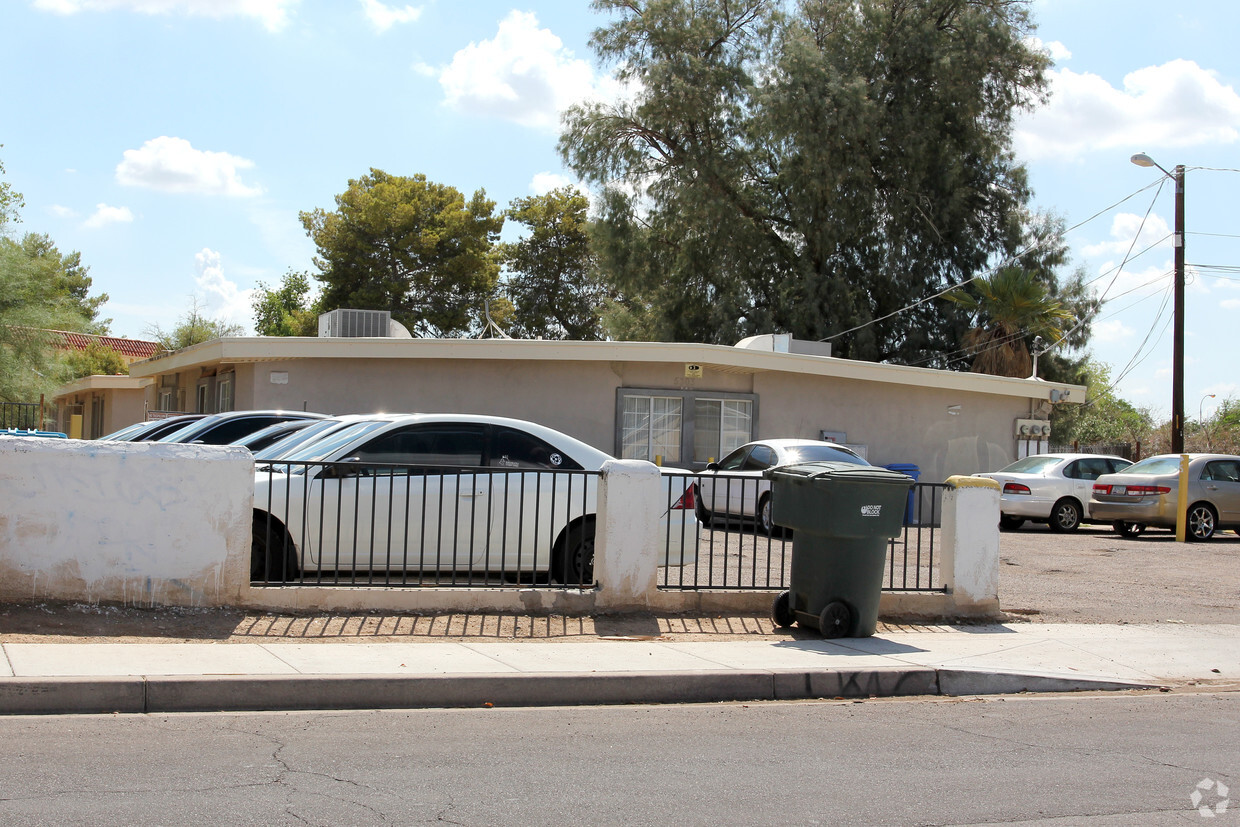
[(1031, 465), (319, 450)]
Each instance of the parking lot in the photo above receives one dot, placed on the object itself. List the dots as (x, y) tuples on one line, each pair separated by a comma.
[(1095, 576)]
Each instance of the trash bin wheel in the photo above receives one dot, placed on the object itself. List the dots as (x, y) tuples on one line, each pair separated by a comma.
[(781, 610), (836, 619)]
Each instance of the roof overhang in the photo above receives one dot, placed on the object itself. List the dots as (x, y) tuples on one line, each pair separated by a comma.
[(718, 357), (102, 383)]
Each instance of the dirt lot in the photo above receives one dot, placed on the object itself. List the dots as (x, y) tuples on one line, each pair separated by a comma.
[(1092, 576)]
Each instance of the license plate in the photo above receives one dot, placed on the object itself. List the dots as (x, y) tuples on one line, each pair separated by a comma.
[(1119, 489)]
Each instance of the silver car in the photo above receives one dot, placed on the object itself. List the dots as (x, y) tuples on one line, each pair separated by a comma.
[(1147, 494), (1050, 488), (736, 489)]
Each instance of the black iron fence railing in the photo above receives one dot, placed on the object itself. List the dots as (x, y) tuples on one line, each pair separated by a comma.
[(740, 549), (23, 415)]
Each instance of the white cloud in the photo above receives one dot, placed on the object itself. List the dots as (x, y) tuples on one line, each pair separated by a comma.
[(105, 215), (223, 299), (1230, 304), (273, 14), (62, 212), (1112, 331), (172, 165), (1177, 104), (1123, 228), (383, 17), (1056, 50), (545, 182), (523, 75)]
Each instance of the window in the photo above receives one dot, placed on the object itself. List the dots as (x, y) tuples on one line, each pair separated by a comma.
[(685, 428), (652, 428), (457, 446), (206, 395), (224, 393), (720, 426), (511, 448)]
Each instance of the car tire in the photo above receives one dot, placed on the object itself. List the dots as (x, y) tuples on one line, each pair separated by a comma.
[(1129, 530), (1065, 516), (572, 563), (1201, 522), (836, 620), (1007, 523), (703, 513), (781, 610), (765, 524), (273, 558)]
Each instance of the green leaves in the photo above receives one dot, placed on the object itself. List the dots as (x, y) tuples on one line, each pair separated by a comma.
[(411, 246)]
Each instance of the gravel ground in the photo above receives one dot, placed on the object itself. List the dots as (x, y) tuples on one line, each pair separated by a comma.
[(1090, 576)]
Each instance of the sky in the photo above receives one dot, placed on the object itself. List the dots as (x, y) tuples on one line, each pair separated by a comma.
[(174, 142)]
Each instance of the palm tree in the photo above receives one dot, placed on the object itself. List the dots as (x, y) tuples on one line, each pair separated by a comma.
[(1010, 307)]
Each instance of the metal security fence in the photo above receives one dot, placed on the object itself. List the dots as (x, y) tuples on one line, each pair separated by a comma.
[(25, 415), (740, 550), (348, 524)]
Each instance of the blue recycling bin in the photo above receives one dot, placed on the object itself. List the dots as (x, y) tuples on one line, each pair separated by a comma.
[(914, 472)]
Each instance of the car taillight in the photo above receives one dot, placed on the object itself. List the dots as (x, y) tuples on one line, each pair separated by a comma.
[(685, 501), (1014, 488), (1147, 490), (1102, 489)]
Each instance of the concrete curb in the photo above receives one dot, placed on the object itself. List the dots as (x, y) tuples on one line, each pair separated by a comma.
[(234, 693)]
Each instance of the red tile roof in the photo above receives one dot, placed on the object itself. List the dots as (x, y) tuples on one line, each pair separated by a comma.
[(130, 349)]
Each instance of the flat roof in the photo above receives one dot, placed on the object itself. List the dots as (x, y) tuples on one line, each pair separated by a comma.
[(241, 350)]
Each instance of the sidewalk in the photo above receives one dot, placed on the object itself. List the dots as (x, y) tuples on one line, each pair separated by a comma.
[(41, 678)]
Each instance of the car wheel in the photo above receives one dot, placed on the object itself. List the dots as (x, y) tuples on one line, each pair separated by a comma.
[(573, 562), (1130, 530), (273, 558), (1065, 516), (703, 513), (764, 515), (781, 610), (1007, 523), (1201, 522), (836, 619)]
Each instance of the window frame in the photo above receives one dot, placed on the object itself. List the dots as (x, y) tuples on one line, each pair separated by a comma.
[(688, 409)]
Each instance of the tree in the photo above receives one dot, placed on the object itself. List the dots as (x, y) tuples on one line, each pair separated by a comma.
[(11, 200), (1011, 307), (1103, 417), (65, 275), (285, 310), (193, 328), (809, 169), (411, 246), (96, 360), (552, 284), (27, 308)]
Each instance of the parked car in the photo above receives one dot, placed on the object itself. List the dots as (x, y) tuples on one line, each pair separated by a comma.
[(264, 437), (1147, 494), (152, 429), (224, 428), (441, 492), (1050, 488), (735, 489)]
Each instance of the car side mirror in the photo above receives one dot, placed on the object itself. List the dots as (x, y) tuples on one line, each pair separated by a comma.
[(712, 466)]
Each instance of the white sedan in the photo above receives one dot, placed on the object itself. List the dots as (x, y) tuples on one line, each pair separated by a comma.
[(445, 493), (735, 487), (1050, 488)]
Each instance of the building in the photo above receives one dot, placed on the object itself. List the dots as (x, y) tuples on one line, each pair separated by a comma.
[(682, 405)]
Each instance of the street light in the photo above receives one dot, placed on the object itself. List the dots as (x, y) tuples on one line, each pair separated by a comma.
[(1201, 420), (1177, 337)]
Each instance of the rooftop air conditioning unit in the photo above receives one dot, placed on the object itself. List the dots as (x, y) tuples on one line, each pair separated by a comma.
[(356, 323)]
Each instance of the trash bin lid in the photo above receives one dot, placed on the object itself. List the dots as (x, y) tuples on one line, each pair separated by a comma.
[(828, 471)]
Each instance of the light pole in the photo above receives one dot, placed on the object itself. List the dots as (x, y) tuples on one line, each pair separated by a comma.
[(1177, 337), (1201, 419)]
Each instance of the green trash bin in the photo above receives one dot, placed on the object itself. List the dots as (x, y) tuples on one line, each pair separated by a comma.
[(841, 516)]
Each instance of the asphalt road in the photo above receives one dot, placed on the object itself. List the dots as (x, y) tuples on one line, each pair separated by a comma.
[(1125, 759), (1095, 576)]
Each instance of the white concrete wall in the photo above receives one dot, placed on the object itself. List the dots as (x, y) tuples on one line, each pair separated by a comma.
[(134, 523), (970, 558)]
